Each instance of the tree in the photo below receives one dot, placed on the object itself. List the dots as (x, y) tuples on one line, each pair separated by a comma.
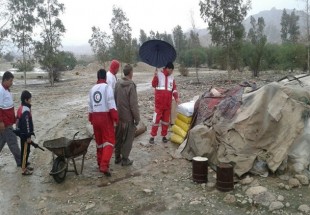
[(285, 20), (166, 37), (4, 22), (8, 57), (193, 41), (179, 40), (121, 31), (307, 18), (52, 31), (194, 57), (294, 28), (65, 61), (292, 56), (23, 22), (289, 27), (100, 43), (258, 39), (143, 37), (193, 44), (224, 19), (135, 47), (152, 35)]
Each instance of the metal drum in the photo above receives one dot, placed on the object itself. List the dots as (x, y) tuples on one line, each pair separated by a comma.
[(224, 177), (200, 169)]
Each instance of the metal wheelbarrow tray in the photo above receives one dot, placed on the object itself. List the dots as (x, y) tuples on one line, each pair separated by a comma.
[(66, 150)]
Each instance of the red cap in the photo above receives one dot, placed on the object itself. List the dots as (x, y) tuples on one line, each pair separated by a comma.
[(114, 66)]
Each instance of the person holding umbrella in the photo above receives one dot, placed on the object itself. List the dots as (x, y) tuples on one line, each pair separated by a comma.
[(165, 88)]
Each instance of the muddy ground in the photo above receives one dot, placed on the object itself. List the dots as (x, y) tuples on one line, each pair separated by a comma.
[(157, 183)]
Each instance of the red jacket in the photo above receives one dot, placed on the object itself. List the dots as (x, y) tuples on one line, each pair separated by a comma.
[(165, 89), (7, 113)]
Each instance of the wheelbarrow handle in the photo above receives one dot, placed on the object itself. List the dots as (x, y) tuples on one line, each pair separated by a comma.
[(75, 135), (35, 145)]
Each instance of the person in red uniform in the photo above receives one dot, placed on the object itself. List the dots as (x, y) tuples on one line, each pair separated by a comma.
[(111, 74), (103, 115), (165, 88)]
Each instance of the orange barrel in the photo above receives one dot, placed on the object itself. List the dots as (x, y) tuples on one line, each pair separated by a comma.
[(224, 177), (200, 169)]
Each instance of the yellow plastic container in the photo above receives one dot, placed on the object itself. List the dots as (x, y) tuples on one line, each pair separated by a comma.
[(183, 125), (186, 119), (178, 130), (176, 138)]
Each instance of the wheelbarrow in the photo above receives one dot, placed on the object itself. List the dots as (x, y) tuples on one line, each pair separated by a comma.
[(66, 150)]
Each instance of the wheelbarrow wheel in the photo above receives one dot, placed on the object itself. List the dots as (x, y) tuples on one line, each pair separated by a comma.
[(58, 165)]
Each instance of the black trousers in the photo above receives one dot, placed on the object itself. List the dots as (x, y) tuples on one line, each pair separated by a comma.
[(25, 151)]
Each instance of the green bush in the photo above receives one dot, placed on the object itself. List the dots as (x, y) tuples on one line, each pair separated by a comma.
[(65, 61)]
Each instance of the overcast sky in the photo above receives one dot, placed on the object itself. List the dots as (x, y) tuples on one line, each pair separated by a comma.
[(156, 15)]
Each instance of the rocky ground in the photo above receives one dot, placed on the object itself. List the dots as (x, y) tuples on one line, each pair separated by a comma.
[(157, 183)]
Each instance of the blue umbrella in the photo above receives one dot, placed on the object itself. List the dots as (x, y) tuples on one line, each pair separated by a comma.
[(157, 53)]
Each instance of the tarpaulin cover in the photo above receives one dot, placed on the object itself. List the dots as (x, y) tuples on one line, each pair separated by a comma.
[(241, 128)]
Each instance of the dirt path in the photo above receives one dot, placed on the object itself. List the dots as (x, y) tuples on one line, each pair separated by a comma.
[(157, 183)]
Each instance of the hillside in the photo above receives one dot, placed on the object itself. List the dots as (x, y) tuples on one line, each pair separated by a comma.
[(272, 21)]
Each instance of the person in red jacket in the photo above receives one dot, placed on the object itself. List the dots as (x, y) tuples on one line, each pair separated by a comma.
[(165, 88), (111, 74), (7, 117), (103, 115)]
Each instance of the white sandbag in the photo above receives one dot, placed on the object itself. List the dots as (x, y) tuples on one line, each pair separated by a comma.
[(187, 108)]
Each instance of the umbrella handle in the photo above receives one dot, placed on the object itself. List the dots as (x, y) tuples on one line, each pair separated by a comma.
[(156, 71)]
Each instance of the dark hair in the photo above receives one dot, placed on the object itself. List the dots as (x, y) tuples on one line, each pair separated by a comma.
[(127, 69), (169, 65), (101, 74), (7, 76), (25, 96)]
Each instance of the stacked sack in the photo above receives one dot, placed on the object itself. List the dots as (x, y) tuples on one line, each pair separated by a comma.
[(182, 122)]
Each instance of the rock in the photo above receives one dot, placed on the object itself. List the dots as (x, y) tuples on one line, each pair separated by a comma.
[(264, 198), (148, 190), (90, 205), (280, 198), (165, 171), (196, 202), (281, 185), (178, 196), (293, 182), (203, 186), (211, 184), (230, 198), (287, 187), (302, 179), (247, 180), (238, 195), (284, 177), (276, 206), (252, 191), (304, 208)]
